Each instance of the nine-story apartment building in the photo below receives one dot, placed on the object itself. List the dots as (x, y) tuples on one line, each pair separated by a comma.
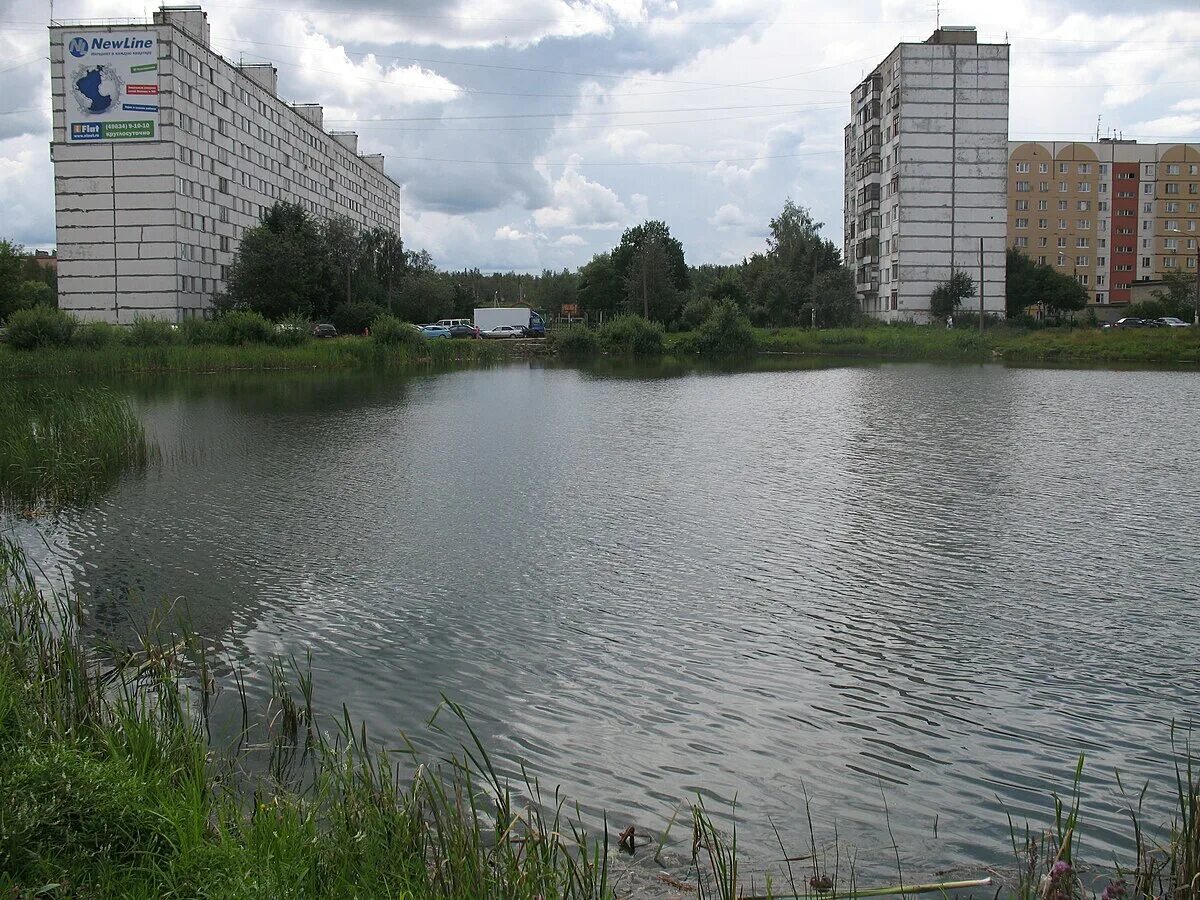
[(165, 153), (926, 152)]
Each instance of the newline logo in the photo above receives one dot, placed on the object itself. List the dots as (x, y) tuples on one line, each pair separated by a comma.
[(126, 44)]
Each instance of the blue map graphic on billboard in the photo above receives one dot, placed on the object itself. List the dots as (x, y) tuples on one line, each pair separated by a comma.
[(89, 87)]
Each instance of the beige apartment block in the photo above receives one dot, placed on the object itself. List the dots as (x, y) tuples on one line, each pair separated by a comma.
[(1110, 213)]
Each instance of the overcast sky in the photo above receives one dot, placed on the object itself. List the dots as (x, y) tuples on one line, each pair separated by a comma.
[(530, 133)]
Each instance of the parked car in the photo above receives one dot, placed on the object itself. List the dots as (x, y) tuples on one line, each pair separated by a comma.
[(504, 331), (1131, 322), (324, 330), (1171, 322), (450, 323), (463, 330), (434, 331)]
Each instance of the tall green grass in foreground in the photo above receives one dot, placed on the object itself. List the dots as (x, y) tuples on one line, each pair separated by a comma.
[(63, 446), (110, 787)]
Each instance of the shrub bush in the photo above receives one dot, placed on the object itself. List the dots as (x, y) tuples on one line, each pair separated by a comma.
[(150, 333), (97, 335), (292, 331), (355, 318), (245, 327), (726, 330), (575, 339), (696, 311), (631, 335), (39, 326), (201, 331), (388, 331)]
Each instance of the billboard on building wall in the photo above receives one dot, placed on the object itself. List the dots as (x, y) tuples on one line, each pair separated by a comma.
[(111, 86)]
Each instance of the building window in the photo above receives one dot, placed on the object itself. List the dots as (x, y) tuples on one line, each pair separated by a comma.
[(1022, 223), (1043, 205), (1085, 168), (1043, 168), (1081, 242), (1043, 186), (1084, 187), (1022, 242), (1081, 260), (1063, 168), (1062, 187), (1022, 167), (1103, 168), (1022, 186), (1171, 186), (1022, 205), (1169, 262), (1085, 205), (1042, 242), (1062, 223), (1173, 169), (1062, 205), (1062, 242), (1145, 262)]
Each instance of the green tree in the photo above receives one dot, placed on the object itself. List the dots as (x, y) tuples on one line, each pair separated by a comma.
[(34, 293), (1029, 283), (1178, 300), (772, 292), (277, 269), (601, 289), (649, 284), (834, 300), (658, 233), (423, 297), (945, 299), (11, 278), (795, 242)]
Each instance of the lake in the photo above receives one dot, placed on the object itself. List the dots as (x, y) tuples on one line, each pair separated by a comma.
[(802, 582)]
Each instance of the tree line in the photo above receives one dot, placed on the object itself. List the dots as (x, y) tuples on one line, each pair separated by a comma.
[(293, 263), (24, 283)]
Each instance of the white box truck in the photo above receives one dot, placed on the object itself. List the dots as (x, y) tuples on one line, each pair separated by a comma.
[(488, 317)]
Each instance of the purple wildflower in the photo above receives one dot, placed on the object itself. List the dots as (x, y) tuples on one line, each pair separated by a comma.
[(1114, 891), (1061, 868)]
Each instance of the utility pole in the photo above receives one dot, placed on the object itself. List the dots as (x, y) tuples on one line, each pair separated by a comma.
[(1196, 315), (981, 285)]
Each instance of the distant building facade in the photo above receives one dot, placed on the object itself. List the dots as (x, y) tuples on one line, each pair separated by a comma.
[(1110, 213), (165, 153), (926, 153)]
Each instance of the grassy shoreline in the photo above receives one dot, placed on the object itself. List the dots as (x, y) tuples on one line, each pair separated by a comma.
[(111, 787), (1001, 343), (337, 354), (998, 343)]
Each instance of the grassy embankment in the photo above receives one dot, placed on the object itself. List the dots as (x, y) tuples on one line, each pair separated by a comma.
[(340, 353), (60, 447), (110, 787), (1158, 346)]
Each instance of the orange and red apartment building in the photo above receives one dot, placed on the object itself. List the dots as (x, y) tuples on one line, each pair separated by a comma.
[(1109, 213)]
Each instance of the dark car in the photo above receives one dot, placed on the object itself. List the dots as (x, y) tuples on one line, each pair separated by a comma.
[(324, 330), (1132, 322), (463, 331)]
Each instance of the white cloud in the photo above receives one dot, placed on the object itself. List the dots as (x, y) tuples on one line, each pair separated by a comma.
[(509, 233), (580, 203), (729, 216), (27, 191), (463, 25), (570, 240)]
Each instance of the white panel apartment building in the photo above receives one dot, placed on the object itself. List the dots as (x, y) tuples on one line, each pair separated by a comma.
[(165, 153), (926, 174)]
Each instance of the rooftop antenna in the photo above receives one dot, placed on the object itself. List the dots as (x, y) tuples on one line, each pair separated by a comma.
[(1097, 128), (937, 16)]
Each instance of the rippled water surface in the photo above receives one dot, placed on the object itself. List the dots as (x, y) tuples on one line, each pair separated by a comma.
[(934, 584)]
